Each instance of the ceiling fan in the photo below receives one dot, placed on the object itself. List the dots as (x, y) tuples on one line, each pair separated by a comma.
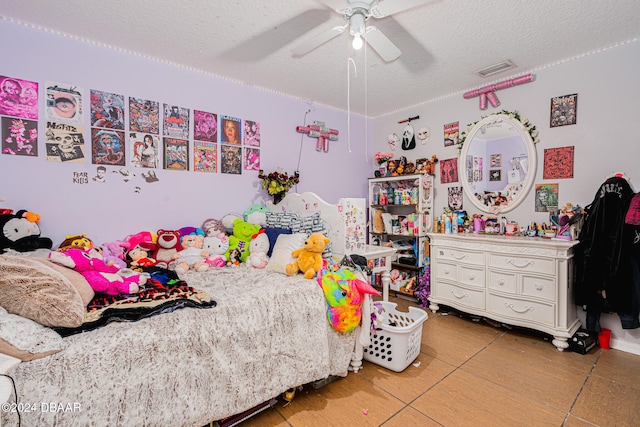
[(357, 13)]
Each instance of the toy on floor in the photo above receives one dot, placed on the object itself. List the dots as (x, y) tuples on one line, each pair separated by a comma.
[(100, 276), (20, 232), (192, 254), (309, 258)]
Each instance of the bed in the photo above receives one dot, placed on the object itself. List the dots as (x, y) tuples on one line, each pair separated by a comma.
[(267, 332)]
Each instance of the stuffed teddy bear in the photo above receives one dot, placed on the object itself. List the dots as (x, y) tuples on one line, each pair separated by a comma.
[(258, 249), (217, 247), (192, 254), (256, 214), (239, 242), (20, 232), (309, 258), (79, 241), (100, 276), (167, 245), (378, 222)]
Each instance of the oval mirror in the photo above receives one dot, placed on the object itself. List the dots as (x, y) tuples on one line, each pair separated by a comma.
[(498, 162)]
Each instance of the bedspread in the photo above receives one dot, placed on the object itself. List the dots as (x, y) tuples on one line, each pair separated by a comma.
[(268, 332)]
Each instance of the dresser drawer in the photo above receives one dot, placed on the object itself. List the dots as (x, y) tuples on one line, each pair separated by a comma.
[(445, 270), (460, 255), (523, 263), (541, 287), (472, 276), (502, 281), (525, 311), (458, 295)]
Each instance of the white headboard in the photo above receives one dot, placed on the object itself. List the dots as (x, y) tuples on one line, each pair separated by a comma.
[(345, 222)]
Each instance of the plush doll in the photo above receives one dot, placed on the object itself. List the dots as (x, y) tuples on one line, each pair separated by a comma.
[(134, 240), (378, 222), (20, 232), (189, 230), (192, 254), (79, 241), (100, 276), (113, 253), (241, 238), (344, 292), (256, 214), (167, 245), (309, 258), (213, 227), (228, 220), (217, 247), (138, 256), (258, 249)]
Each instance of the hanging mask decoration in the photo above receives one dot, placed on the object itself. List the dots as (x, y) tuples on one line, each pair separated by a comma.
[(408, 134), (393, 141), (424, 133)]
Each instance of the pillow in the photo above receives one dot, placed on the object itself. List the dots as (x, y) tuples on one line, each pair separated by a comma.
[(25, 339), (32, 289), (297, 224), (76, 279), (281, 219), (272, 234), (281, 255)]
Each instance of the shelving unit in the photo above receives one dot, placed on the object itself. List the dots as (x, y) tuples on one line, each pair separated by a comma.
[(401, 215)]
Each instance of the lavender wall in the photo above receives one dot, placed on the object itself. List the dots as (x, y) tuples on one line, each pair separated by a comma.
[(180, 198)]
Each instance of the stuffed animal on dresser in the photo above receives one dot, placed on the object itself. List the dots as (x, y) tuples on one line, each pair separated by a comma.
[(309, 258)]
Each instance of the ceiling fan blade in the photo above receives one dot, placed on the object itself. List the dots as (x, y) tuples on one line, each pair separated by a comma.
[(316, 41), (381, 44), (388, 7)]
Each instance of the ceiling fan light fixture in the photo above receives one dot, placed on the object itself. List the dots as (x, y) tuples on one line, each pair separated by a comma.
[(357, 42)]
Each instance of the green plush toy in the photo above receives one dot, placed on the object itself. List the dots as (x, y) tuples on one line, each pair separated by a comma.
[(240, 240)]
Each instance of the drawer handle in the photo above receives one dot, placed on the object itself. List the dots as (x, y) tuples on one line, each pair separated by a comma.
[(472, 276), (459, 296), (446, 270), (501, 282), (459, 257), (526, 264), (539, 287), (526, 308)]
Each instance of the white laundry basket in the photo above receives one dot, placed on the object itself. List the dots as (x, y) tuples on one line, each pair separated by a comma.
[(396, 342)]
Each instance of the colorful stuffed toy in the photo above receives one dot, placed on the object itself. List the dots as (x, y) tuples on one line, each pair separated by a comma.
[(20, 232), (79, 241), (344, 292), (309, 258), (240, 240), (100, 276), (113, 253), (192, 255), (256, 214), (167, 246), (258, 249), (138, 256), (217, 247), (213, 227)]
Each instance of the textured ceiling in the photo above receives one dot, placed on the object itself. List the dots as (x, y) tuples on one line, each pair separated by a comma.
[(443, 42)]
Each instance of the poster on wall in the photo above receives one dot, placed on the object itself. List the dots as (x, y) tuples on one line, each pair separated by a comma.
[(251, 133), (451, 134), (144, 150), (18, 98), (64, 143), (144, 116), (176, 121), (495, 175), (230, 159), (495, 160), (251, 159), (230, 130), (448, 171), (19, 137), (558, 163), (176, 154), (205, 157), (546, 197), (564, 110), (107, 147), (63, 103), (205, 126), (107, 110), (454, 198)]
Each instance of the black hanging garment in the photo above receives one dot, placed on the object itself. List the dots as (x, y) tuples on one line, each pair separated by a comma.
[(603, 257)]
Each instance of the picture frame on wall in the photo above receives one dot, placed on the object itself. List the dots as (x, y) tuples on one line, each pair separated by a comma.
[(564, 110), (495, 175)]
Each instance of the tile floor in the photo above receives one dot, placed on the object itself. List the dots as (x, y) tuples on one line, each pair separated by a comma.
[(471, 373)]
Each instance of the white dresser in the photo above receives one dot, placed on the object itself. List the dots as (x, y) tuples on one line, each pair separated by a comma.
[(519, 281)]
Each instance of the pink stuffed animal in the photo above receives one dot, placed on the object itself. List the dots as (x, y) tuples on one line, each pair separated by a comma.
[(217, 246), (101, 277), (113, 253)]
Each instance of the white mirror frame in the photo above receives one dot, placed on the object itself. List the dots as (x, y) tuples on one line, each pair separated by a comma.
[(531, 153)]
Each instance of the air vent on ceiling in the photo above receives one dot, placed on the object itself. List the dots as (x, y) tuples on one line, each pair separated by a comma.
[(496, 68)]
